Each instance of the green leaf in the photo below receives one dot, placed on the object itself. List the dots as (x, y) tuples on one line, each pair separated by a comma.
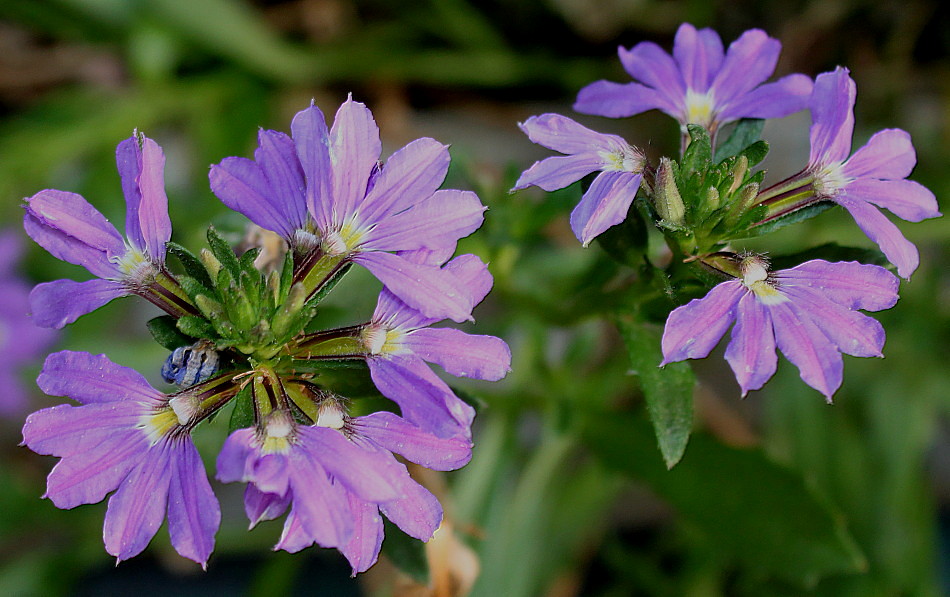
[(746, 132), (668, 391), (222, 250), (406, 553), (243, 414), (830, 252), (800, 215), (191, 264), (699, 153), (165, 331), (756, 152), (196, 327), (759, 513)]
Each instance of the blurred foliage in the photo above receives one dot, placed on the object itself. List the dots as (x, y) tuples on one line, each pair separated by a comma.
[(567, 493)]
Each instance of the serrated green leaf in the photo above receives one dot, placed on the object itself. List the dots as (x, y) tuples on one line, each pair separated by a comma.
[(746, 132), (189, 262), (196, 327), (194, 288), (243, 414), (164, 330), (406, 553), (759, 513), (668, 391), (697, 156), (222, 250)]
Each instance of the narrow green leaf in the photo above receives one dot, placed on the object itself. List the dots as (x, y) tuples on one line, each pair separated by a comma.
[(406, 553), (746, 132), (668, 391), (830, 252), (328, 286), (756, 152), (699, 153), (191, 264), (165, 331), (196, 327), (222, 250), (243, 414), (761, 514), (806, 213)]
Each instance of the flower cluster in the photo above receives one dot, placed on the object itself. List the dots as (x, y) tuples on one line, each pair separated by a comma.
[(711, 198), (244, 337)]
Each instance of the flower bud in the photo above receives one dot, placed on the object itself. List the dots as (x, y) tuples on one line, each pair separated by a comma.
[(738, 173), (666, 197), (210, 262)]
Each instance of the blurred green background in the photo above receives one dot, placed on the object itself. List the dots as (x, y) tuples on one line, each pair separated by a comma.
[(778, 494)]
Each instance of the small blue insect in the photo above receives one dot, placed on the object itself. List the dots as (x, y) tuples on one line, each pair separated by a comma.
[(188, 365)]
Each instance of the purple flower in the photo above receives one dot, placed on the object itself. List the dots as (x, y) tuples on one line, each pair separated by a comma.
[(125, 437), (325, 188), (399, 341), (809, 312), (610, 194), (71, 229), (873, 176), (698, 84), (21, 342)]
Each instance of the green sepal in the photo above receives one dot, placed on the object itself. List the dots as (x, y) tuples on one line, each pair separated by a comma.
[(222, 250), (320, 366), (243, 414), (189, 262), (746, 132), (164, 330), (196, 327), (405, 552)]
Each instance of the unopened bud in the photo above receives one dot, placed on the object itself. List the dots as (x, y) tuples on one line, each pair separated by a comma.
[(712, 198), (738, 173), (666, 197), (210, 262)]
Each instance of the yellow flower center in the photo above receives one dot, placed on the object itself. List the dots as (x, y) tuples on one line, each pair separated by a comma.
[(699, 108), (830, 179), (159, 424), (755, 277), (379, 339), (346, 239)]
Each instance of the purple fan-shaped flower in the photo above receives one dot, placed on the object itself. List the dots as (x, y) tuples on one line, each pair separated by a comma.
[(399, 342), (325, 187), (874, 176), (699, 83), (809, 312), (619, 164), (71, 229), (124, 437), (21, 342)]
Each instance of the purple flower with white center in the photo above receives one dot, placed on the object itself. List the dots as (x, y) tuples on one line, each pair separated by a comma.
[(809, 312), (399, 341), (21, 342), (619, 164), (875, 175), (325, 188), (699, 84), (124, 437), (72, 230)]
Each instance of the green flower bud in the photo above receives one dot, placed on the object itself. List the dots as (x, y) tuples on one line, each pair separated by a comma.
[(666, 197)]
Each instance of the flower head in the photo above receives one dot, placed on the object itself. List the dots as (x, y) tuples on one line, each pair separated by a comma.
[(875, 175), (809, 312), (619, 164), (324, 188), (71, 229), (699, 84), (126, 437)]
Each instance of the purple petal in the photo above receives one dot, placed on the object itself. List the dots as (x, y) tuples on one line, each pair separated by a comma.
[(698, 54), (73, 216), (461, 354), (321, 506), (241, 185), (473, 274), (358, 469), (141, 165), (354, 151), (695, 328), (11, 250), (906, 199), (559, 171), (193, 511), (850, 284), (91, 379), (648, 63), (851, 332), (888, 154), (137, 509), (605, 204), (749, 61), (294, 537), (362, 549), (268, 471), (312, 139), (441, 220), (898, 250), (832, 116), (259, 505), (616, 100), (276, 156), (67, 248), (567, 136), (773, 100), (802, 343), (423, 398), (417, 512), (86, 477), (397, 435), (232, 460), (65, 430), (410, 175), (428, 289), (60, 302), (751, 351)]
